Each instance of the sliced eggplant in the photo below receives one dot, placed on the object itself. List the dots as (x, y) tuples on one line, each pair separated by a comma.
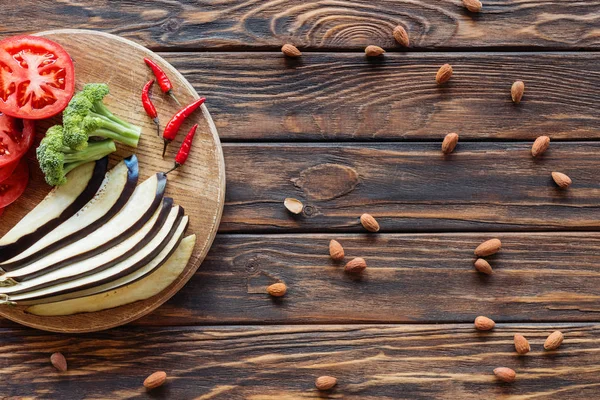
[(143, 289), (114, 192), (59, 205), (128, 222), (146, 260)]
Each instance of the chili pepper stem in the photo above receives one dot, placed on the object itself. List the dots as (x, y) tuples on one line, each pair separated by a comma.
[(157, 122), (170, 93), (177, 165), (165, 148)]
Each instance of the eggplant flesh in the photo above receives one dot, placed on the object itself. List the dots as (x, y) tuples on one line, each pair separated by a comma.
[(114, 192), (126, 224), (146, 260), (59, 205), (145, 288)]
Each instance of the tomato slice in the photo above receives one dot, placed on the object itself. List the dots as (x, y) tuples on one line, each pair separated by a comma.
[(7, 171), (15, 185), (37, 77), (16, 137)]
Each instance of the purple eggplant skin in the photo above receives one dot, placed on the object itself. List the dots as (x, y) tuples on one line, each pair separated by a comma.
[(132, 180), (121, 274), (10, 250)]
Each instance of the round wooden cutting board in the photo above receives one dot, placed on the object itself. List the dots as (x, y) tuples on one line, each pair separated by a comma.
[(199, 186)]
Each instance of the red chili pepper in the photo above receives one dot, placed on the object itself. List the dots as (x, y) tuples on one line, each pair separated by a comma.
[(162, 78), (184, 150), (175, 123), (148, 106)]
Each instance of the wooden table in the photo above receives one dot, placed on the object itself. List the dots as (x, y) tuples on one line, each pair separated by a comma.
[(349, 135)]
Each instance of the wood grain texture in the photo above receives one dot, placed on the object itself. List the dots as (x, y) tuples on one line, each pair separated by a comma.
[(281, 363), (252, 24), (199, 186), (410, 187), (345, 96), (410, 278)]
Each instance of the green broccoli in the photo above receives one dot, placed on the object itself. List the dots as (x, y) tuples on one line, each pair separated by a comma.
[(57, 160), (86, 115)]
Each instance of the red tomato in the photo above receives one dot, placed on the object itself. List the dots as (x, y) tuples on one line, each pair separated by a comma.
[(37, 78), (16, 137), (7, 171), (15, 185)]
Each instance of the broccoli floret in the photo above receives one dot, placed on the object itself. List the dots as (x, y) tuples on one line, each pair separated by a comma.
[(86, 115), (57, 160)]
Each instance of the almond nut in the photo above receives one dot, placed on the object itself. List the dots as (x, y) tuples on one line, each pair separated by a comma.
[(516, 91), (356, 266), (449, 143), (488, 248), (401, 36), (277, 289), (155, 380), (369, 223), (59, 361), (444, 73), (484, 323), (540, 145), (290, 51), (561, 180), (554, 340), (294, 206), (473, 5), (505, 374), (521, 344), (325, 382), (336, 251), (483, 266), (374, 51)]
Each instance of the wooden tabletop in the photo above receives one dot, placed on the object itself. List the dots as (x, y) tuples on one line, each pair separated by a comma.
[(349, 135)]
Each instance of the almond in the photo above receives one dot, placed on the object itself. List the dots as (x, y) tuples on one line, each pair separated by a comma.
[(484, 323), (521, 344), (554, 341), (290, 51), (401, 36), (540, 145), (356, 266), (336, 251), (516, 91), (374, 51), (444, 73), (483, 266), (561, 180), (473, 5), (59, 361), (449, 143), (488, 248), (294, 206), (505, 374), (369, 223), (277, 289), (155, 380), (325, 382)]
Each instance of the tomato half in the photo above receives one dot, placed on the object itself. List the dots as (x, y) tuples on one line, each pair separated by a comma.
[(16, 137), (15, 185), (37, 78)]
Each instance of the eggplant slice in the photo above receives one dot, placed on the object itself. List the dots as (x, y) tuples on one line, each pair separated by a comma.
[(114, 192), (143, 289), (140, 208), (146, 260), (59, 205)]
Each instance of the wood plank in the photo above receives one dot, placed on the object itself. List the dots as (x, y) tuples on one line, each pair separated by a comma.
[(342, 96), (267, 363), (410, 278), (410, 187), (319, 24)]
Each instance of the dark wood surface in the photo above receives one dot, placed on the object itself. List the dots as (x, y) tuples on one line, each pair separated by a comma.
[(348, 135)]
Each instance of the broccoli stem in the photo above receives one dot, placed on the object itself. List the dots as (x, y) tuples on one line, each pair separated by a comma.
[(100, 109), (94, 151), (117, 131)]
